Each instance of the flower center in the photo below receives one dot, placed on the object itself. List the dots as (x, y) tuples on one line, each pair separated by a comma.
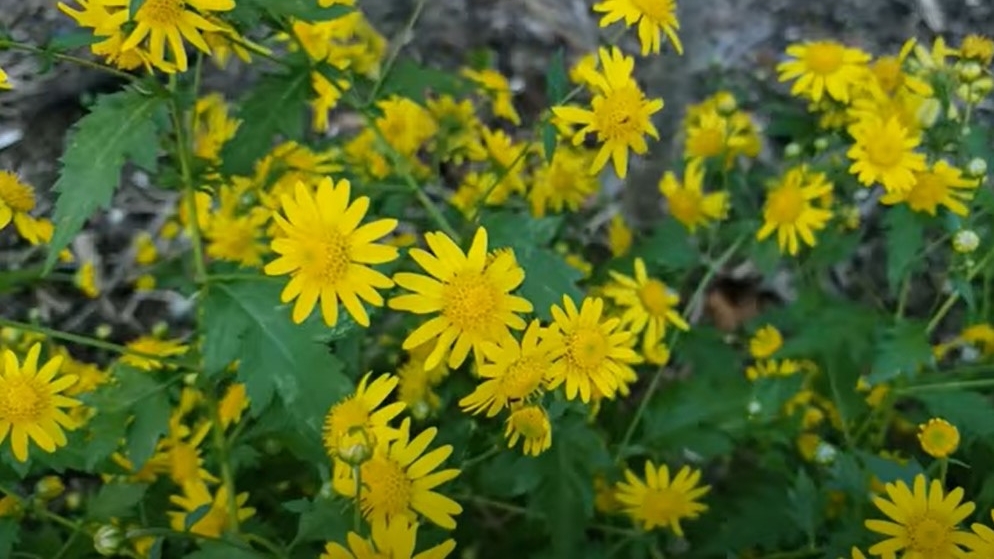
[(659, 11), (530, 422), (22, 400), (388, 490), (617, 116), (655, 297), (928, 536), (470, 300), (523, 377), (587, 348), (824, 58), (330, 257), (663, 505), (164, 13), (884, 151), (17, 196), (785, 204)]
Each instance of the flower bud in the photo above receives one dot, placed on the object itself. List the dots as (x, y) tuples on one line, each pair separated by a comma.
[(825, 453), (726, 103), (108, 540), (821, 144), (420, 409), (74, 500), (977, 167), (49, 487), (928, 112), (965, 241), (969, 71), (103, 331), (356, 446), (754, 408), (793, 149)]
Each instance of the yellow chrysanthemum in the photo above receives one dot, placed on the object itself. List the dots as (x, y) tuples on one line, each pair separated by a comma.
[(213, 127), (619, 236), (889, 74), (765, 342), (86, 279), (31, 403), (977, 47), (660, 501), (942, 185), (234, 403), (883, 151), (394, 540), (169, 21), (923, 521), (328, 254), (822, 67), (772, 368), (531, 425), (145, 346), (405, 125), (471, 294), (238, 238), (981, 541), (146, 252), (590, 352), (687, 201), (512, 372), (398, 481), (788, 209), (217, 519), (357, 424), (938, 437), (620, 114), (648, 304), (498, 89), (16, 200), (4, 81), (564, 183), (654, 17)]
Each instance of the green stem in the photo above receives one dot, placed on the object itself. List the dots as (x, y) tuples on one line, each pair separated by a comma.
[(357, 511), (939, 386), (947, 305), (5, 44), (902, 300), (395, 53), (190, 191), (943, 470), (469, 462), (224, 461)]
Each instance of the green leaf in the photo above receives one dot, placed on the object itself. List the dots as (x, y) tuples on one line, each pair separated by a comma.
[(905, 237), (510, 474), (414, 81), (805, 505), (151, 422), (221, 550), (888, 470), (275, 106), (970, 412), (195, 516), (116, 500), (104, 434), (669, 246), (901, 350), (135, 393), (549, 140), (321, 519), (556, 80), (277, 356), (70, 41), (9, 529), (120, 127), (133, 7), (307, 10), (518, 230), (965, 290)]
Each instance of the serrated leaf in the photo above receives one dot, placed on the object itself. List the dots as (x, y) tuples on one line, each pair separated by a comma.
[(668, 247), (970, 412), (322, 520), (414, 81), (905, 237), (887, 470), (134, 393), (517, 230), (805, 505), (277, 357), (151, 422), (275, 106), (966, 292), (901, 350), (116, 500), (120, 127), (221, 550)]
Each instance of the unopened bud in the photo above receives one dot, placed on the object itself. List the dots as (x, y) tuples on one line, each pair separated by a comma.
[(74, 500), (969, 71), (825, 453), (420, 409), (928, 112), (977, 167), (160, 328), (108, 540), (726, 103), (793, 149), (821, 144), (49, 487), (103, 331), (190, 379), (965, 241), (754, 408)]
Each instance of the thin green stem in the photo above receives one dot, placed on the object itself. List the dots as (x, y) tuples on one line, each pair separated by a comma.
[(5, 44), (947, 305), (189, 192), (943, 470), (902, 299), (482, 457), (940, 386), (395, 53), (357, 510), (224, 461)]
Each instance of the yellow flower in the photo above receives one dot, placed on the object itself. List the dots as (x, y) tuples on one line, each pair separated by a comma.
[(146, 346), (145, 251), (661, 501), (605, 497), (470, 293), (586, 65), (884, 152), (980, 336), (4, 80), (888, 73), (460, 129), (358, 423), (652, 16), (212, 127), (564, 183), (416, 386), (688, 203), (512, 372), (497, 87), (980, 543), (16, 200), (620, 114), (648, 304), (942, 185), (788, 209), (328, 255), (977, 47), (765, 342), (232, 405), (509, 159), (531, 425), (619, 236), (162, 21), (327, 95), (405, 124), (216, 520), (399, 481), (238, 238), (86, 280), (922, 521), (31, 403), (394, 540), (822, 67), (590, 352), (938, 437), (10, 507), (772, 368)]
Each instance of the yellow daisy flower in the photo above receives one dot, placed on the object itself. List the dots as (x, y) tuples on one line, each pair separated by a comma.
[(86, 279), (688, 203), (648, 303), (357, 424), (144, 346), (405, 125), (512, 372), (590, 352), (822, 67), (217, 519), (977, 47), (398, 481), (883, 151), (619, 236), (889, 75), (661, 501), (213, 127), (234, 403), (765, 342), (620, 115), (145, 251), (16, 200), (923, 521), (981, 541), (564, 183), (531, 425), (395, 540), (31, 403), (938, 437), (4, 80), (470, 293), (238, 238), (328, 254), (788, 209), (499, 91), (942, 185), (772, 368), (652, 17)]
